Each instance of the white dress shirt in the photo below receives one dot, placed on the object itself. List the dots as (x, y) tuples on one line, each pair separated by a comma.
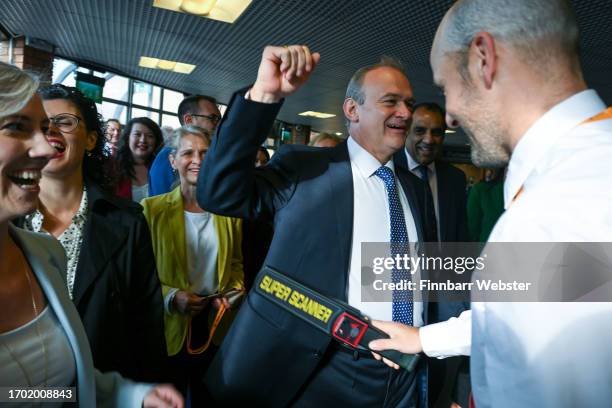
[(545, 354), (71, 239), (202, 252), (371, 223)]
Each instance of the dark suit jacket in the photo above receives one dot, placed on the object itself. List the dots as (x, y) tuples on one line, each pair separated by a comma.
[(308, 193), (117, 291), (452, 199)]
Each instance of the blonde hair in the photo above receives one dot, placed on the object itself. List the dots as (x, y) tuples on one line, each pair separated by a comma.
[(183, 131), (16, 89), (324, 136)]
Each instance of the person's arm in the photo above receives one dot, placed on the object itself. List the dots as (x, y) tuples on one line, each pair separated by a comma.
[(112, 390), (229, 184), (445, 339)]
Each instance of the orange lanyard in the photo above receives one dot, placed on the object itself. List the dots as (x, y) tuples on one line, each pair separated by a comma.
[(203, 348), (606, 114)]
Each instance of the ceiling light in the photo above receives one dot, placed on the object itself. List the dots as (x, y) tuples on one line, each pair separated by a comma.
[(198, 7), (222, 10), (147, 62), (450, 131), (183, 68), (156, 63), (318, 115), (338, 133), (167, 65)]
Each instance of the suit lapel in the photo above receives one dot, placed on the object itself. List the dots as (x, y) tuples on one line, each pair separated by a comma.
[(100, 242), (222, 226), (444, 200), (176, 234), (341, 182), (411, 195), (400, 159)]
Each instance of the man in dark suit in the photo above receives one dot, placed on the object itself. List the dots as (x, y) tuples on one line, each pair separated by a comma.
[(324, 203), (447, 187), (447, 183)]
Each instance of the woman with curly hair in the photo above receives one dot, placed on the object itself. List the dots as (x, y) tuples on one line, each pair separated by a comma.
[(140, 141), (111, 274)]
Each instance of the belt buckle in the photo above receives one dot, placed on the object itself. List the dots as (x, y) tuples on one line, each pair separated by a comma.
[(349, 330)]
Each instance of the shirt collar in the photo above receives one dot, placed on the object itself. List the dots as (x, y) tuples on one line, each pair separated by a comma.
[(363, 160), (36, 218), (413, 164), (542, 135), (81, 214)]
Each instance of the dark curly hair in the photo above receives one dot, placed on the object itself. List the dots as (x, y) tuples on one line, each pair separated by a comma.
[(125, 159), (97, 166)]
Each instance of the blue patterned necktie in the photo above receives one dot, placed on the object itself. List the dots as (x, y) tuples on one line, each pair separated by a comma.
[(402, 299)]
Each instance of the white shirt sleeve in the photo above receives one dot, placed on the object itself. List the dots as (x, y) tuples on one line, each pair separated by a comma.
[(450, 338), (168, 300)]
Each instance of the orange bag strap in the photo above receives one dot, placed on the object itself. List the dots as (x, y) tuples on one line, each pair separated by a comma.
[(216, 322)]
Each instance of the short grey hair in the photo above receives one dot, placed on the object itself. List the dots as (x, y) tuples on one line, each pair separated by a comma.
[(16, 89), (183, 131), (354, 89), (538, 29)]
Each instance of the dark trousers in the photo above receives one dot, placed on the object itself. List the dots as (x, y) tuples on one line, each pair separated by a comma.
[(187, 370), (357, 380)]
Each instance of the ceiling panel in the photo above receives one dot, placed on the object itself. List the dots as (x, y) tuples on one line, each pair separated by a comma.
[(348, 33)]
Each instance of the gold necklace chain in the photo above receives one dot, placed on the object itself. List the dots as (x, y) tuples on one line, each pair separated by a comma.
[(36, 314), (40, 338)]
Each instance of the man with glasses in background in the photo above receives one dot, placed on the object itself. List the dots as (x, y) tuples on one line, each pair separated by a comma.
[(197, 110)]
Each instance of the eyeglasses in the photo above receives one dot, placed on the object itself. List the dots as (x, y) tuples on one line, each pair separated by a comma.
[(214, 119), (65, 122)]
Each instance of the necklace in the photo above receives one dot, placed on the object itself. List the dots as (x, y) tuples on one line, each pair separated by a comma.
[(40, 338)]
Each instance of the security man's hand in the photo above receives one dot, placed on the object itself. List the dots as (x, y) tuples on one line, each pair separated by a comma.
[(189, 303), (402, 338), (163, 396), (282, 71)]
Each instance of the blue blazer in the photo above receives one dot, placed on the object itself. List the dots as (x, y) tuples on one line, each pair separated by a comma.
[(308, 194), (94, 389)]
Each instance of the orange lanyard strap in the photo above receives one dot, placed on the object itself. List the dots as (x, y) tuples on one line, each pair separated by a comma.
[(518, 193), (606, 114), (216, 322)]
